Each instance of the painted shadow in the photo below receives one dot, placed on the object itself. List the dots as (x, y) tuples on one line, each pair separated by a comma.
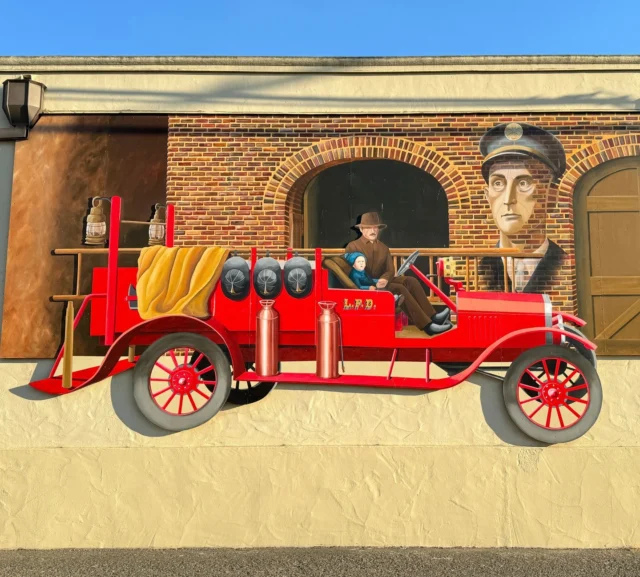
[(126, 409)]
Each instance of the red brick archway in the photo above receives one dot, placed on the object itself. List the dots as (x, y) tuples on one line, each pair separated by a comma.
[(591, 156), (579, 164), (284, 191)]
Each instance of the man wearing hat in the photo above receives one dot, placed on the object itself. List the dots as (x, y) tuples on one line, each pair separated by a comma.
[(520, 163), (380, 266)]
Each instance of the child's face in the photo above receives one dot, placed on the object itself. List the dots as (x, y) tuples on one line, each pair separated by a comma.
[(360, 263)]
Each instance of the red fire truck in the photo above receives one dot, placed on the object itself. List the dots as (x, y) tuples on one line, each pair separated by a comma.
[(192, 366)]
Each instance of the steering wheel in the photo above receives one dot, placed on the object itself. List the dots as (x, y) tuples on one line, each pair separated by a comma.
[(404, 267)]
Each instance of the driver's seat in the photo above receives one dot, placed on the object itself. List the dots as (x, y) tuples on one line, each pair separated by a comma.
[(339, 270)]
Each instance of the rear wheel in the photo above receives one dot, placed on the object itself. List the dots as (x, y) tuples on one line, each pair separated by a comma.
[(553, 394), (247, 392), (169, 388), (242, 392)]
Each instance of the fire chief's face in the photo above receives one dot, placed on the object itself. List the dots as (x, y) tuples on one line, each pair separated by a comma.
[(370, 232), (517, 192)]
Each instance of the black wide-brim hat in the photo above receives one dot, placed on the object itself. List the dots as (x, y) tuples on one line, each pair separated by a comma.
[(520, 139)]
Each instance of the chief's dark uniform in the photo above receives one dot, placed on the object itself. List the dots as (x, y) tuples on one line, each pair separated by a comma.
[(492, 271), (517, 139)]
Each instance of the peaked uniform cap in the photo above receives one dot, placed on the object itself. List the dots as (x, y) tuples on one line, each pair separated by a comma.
[(521, 139)]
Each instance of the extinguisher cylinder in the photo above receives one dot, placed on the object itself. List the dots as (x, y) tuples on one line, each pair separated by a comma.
[(328, 342), (267, 335)]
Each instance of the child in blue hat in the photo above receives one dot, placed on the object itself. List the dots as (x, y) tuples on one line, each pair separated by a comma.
[(358, 275)]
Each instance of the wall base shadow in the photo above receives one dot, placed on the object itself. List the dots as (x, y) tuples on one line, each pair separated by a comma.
[(125, 408), (496, 415), (27, 392)]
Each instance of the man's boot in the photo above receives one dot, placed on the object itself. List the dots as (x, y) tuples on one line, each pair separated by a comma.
[(433, 329), (441, 317)]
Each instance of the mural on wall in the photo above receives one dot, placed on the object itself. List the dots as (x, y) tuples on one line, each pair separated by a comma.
[(192, 323), (377, 264), (66, 161), (520, 164)]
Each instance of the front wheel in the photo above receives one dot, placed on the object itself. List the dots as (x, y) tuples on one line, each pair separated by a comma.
[(553, 394), (172, 391)]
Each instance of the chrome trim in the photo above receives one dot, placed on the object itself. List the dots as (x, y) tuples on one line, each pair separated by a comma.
[(560, 325), (548, 318)]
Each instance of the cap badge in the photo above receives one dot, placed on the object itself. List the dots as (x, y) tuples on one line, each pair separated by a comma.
[(513, 131)]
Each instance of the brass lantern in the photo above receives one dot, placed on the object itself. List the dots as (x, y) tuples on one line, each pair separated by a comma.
[(96, 230), (157, 226)]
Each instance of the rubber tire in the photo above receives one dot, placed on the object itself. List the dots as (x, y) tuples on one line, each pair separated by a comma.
[(142, 372), (510, 394), (584, 351)]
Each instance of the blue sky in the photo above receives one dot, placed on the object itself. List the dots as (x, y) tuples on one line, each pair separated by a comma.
[(319, 28)]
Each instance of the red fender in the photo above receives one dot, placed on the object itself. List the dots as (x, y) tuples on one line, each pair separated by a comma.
[(572, 319), (464, 375), (111, 364)]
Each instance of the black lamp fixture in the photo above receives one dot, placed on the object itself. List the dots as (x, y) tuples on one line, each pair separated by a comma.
[(22, 103)]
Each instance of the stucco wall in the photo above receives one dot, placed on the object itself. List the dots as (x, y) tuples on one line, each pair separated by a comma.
[(313, 467)]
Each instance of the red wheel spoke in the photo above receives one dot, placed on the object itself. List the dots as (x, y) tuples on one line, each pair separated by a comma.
[(195, 364), (192, 403), (160, 392), (573, 400), (205, 370), (186, 355), (202, 394), (536, 379), (560, 416), (160, 380), (574, 412), (167, 403), (555, 376), (546, 369), (180, 406), (208, 382), (534, 412), (172, 354), (562, 384), (530, 388), (165, 369), (531, 399), (579, 387), (548, 417)]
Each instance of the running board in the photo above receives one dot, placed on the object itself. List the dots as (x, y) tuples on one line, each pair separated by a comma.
[(353, 381), (79, 379), (479, 377)]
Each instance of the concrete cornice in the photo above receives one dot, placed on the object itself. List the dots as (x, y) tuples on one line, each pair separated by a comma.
[(391, 65), (239, 85)]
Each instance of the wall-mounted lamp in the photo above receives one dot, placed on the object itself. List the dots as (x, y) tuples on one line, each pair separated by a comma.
[(22, 103), (157, 228), (96, 229)]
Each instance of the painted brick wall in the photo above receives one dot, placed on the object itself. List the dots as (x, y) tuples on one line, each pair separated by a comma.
[(238, 181)]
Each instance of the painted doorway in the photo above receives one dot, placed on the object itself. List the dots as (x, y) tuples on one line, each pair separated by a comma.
[(411, 202), (607, 240)]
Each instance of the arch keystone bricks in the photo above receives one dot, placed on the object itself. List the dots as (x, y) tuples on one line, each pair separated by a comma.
[(307, 162)]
